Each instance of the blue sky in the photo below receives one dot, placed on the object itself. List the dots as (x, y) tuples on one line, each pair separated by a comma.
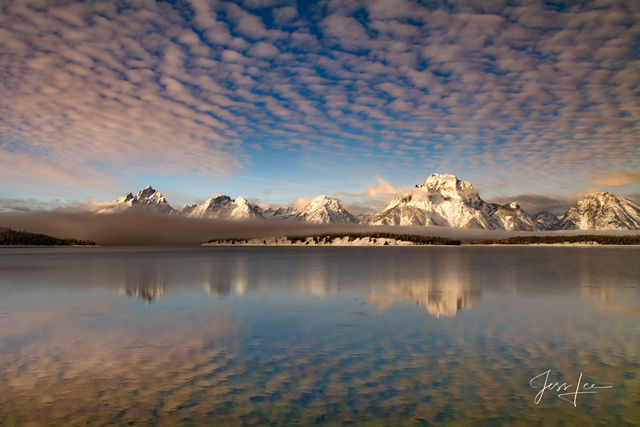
[(275, 100)]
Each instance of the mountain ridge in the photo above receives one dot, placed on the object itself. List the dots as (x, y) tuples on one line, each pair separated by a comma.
[(442, 200)]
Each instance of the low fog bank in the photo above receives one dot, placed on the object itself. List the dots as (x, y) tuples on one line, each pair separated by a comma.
[(141, 228)]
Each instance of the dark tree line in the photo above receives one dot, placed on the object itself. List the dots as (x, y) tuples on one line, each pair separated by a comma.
[(12, 237), (414, 238), (434, 240), (579, 238)]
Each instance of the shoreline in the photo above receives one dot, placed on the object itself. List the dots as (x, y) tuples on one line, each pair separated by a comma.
[(570, 245), (387, 241)]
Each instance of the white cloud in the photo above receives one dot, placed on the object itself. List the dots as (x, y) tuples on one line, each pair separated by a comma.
[(263, 50), (348, 32), (140, 88)]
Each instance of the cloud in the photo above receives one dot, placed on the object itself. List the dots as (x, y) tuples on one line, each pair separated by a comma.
[(301, 202), (90, 95), (346, 31), (617, 179), (263, 50), (374, 196), (520, 95), (284, 15), (29, 205), (382, 188)]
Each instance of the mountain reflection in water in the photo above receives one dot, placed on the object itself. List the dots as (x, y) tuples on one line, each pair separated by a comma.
[(441, 290), (315, 335)]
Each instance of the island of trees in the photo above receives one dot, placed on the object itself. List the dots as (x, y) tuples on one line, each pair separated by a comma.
[(23, 238)]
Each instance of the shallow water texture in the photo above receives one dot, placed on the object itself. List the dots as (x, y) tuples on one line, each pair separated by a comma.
[(286, 336)]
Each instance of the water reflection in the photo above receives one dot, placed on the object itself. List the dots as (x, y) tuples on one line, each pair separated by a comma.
[(442, 290), (146, 290), (143, 281), (443, 284), (439, 299), (243, 336)]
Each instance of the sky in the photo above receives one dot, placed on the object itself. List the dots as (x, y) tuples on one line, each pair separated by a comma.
[(277, 100)]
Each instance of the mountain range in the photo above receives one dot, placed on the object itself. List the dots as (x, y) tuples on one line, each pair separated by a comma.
[(442, 200)]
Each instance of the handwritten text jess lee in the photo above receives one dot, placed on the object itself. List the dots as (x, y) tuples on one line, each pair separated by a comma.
[(569, 396)]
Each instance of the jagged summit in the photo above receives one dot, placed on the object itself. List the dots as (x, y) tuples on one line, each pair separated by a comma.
[(511, 217), (546, 221), (148, 199), (221, 206), (325, 210), (602, 211), (442, 200), (448, 184), (283, 213)]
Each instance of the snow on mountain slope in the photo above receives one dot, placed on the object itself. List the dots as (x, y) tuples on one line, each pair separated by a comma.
[(325, 210), (512, 218), (443, 200), (400, 215), (148, 199), (602, 211), (281, 213), (223, 207), (546, 221), (446, 201)]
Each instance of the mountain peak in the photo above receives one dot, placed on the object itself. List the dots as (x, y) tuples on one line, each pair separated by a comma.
[(221, 206), (446, 201), (325, 210), (447, 184), (148, 199), (440, 178), (603, 211), (601, 195), (149, 192)]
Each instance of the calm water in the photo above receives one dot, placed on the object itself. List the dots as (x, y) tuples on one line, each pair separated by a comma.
[(432, 335)]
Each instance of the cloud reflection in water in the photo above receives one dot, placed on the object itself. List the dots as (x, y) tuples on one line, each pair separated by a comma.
[(313, 335)]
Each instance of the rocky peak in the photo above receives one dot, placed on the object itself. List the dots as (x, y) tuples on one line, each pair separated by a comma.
[(324, 210), (447, 184), (602, 211)]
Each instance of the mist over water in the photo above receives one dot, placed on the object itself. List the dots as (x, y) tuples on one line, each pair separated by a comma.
[(315, 335)]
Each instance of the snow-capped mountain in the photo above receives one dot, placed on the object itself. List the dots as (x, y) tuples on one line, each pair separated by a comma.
[(511, 217), (444, 200), (223, 207), (282, 213), (148, 199), (325, 210), (546, 221), (602, 211), (320, 210)]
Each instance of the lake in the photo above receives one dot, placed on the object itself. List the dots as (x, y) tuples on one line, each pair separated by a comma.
[(286, 336)]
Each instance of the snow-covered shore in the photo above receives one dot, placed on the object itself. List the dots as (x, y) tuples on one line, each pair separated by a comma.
[(313, 241)]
